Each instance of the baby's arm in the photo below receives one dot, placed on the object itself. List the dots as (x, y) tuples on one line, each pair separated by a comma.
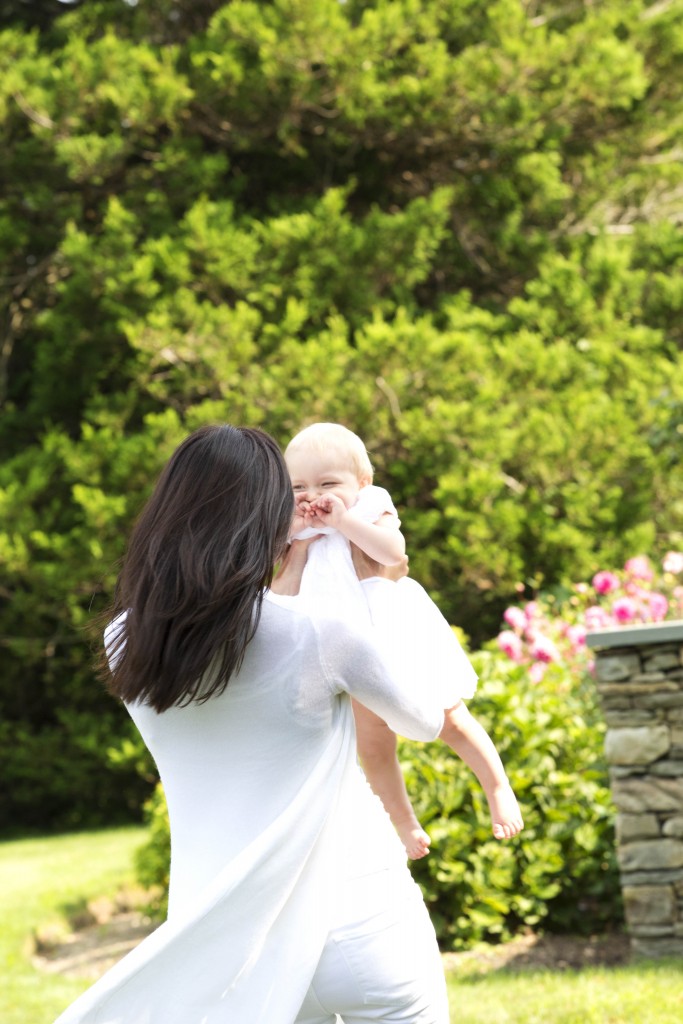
[(377, 755), (472, 743), (380, 540)]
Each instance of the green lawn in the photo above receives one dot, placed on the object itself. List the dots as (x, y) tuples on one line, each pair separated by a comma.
[(40, 877), (637, 994)]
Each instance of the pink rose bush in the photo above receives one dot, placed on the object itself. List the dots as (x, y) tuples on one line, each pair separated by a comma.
[(552, 631), (673, 563), (605, 582)]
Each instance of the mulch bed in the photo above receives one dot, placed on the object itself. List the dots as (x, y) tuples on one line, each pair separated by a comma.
[(106, 932), (91, 950), (552, 952)]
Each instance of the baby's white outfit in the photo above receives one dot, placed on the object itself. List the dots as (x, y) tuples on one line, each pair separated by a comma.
[(408, 622)]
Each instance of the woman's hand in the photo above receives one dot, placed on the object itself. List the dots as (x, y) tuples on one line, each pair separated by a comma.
[(287, 579), (366, 567)]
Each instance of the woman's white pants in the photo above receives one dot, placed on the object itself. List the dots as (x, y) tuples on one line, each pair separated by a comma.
[(381, 962)]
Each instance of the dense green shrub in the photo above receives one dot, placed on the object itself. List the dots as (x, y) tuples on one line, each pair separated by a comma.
[(153, 859), (560, 874)]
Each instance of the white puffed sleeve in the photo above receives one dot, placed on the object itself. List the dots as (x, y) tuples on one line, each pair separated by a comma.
[(372, 503)]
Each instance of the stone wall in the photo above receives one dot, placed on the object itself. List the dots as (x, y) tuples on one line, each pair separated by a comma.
[(639, 675)]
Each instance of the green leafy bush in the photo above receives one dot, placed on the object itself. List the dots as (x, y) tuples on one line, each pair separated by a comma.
[(560, 874), (153, 859)]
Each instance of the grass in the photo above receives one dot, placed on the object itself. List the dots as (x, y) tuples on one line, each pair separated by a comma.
[(641, 993), (41, 878)]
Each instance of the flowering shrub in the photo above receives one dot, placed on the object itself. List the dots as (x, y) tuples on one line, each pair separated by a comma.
[(552, 629), (561, 874)]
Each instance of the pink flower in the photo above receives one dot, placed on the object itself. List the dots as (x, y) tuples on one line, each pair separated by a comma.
[(532, 609), (577, 637), (639, 567), (605, 582), (673, 562), (624, 609), (510, 644), (515, 617), (543, 649), (596, 617), (537, 671), (659, 606)]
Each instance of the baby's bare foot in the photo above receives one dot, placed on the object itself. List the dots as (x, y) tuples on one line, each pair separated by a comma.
[(415, 840), (506, 817)]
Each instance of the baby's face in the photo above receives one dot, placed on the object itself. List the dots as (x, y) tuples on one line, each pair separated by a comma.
[(313, 475)]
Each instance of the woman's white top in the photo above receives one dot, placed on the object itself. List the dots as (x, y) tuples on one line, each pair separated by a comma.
[(406, 617), (268, 812)]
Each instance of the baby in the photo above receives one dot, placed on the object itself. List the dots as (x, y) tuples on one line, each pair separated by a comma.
[(332, 477)]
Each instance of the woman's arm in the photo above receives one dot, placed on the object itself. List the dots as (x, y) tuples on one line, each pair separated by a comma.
[(368, 568), (287, 579)]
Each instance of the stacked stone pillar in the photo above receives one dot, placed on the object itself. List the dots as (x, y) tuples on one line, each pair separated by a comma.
[(639, 675)]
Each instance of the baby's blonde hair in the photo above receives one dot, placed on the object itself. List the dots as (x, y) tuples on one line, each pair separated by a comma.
[(323, 438)]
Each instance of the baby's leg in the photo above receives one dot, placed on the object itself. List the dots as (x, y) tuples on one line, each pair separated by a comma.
[(506, 817), (471, 742), (377, 753)]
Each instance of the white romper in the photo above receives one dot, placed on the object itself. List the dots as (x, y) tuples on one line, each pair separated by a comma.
[(410, 625)]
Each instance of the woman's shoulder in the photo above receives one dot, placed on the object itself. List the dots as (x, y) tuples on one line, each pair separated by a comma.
[(292, 618), (282, 613)]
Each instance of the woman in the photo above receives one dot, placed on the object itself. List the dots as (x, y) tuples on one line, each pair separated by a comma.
[(277, 912)]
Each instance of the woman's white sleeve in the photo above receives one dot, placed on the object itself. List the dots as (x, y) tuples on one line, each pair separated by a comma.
[(355, 663)]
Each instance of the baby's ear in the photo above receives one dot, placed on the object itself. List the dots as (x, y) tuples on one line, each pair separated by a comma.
[(365, 481)]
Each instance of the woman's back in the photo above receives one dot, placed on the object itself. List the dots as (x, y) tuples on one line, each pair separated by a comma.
[(235, 764)]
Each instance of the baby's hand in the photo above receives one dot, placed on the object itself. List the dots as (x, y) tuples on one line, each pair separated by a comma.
[(328, 510), (299, 520)]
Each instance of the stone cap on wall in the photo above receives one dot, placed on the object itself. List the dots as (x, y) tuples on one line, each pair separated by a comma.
[(630, 636)]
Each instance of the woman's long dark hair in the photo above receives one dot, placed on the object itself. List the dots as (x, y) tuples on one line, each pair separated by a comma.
[(200, 555)]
